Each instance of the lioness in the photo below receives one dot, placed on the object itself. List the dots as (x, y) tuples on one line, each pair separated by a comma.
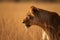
[(49, 21)]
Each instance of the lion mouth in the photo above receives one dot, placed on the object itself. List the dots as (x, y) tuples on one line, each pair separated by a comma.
[(27, 25)]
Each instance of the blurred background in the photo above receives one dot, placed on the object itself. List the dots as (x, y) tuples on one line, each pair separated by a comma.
[(12, 13), (33, 0)]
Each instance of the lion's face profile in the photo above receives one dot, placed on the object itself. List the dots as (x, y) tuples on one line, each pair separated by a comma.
[(30, 19)]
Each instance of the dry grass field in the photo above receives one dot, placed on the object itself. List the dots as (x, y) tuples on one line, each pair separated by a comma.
[(12, 15)]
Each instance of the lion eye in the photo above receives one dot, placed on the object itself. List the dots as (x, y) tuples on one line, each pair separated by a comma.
[(30, 17)]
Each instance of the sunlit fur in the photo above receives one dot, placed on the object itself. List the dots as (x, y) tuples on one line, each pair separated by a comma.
[(45, 36)]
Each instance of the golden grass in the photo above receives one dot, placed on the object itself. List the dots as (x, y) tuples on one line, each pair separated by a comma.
[(11, 16)]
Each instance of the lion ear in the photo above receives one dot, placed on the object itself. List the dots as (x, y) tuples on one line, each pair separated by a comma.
[(34, 10)]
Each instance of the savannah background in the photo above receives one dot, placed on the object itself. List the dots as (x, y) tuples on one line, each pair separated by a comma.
[(12, 15)]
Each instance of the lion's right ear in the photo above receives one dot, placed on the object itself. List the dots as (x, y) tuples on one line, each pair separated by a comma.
[(34, 10)]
